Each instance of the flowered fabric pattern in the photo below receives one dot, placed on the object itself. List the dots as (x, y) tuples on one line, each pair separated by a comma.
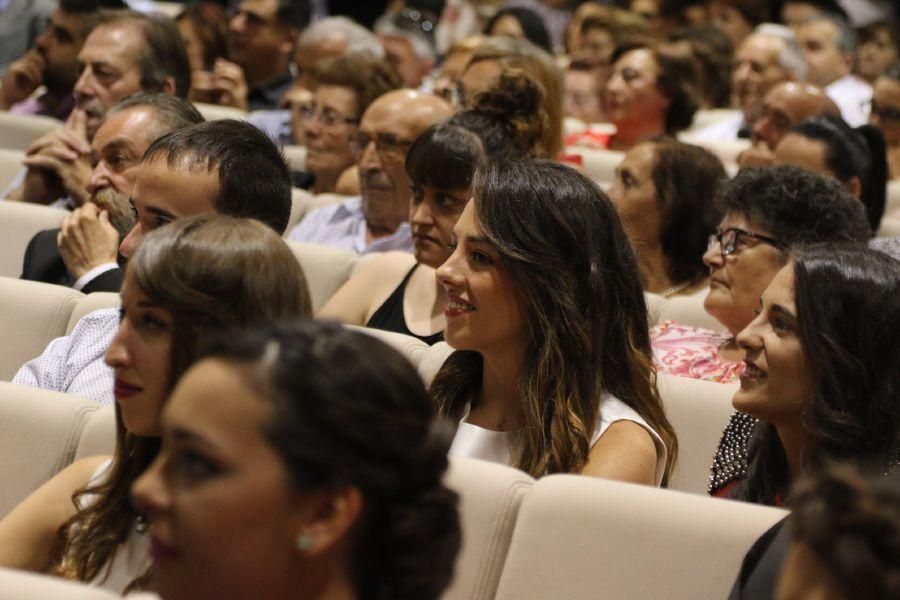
[(692, 352)]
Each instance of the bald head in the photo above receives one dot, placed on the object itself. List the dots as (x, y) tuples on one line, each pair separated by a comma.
[(787, 104), (392, 122)]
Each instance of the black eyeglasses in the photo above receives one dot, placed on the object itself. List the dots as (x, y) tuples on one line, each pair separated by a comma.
[(327, 117), (389, 146), (733, 237)]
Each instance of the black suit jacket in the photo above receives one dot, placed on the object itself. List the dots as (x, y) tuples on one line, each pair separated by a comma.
[(43, 263)]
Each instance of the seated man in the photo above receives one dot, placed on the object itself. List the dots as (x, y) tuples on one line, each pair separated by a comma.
[(128, 52), (229, 167), (377, 221), (83, 253), (784, 106), (51, 63)]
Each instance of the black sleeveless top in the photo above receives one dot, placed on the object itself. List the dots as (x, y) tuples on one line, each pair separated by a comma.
[(389, 316)]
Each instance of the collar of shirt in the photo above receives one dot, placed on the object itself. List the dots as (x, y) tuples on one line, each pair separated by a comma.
[(267, 95)]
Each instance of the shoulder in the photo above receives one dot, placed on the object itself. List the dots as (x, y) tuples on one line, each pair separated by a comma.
[(98, 322), (391, 266)]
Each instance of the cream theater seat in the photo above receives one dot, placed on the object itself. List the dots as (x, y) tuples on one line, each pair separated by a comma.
[(17, 132), (326, 269), (10, 166), (18, 224)]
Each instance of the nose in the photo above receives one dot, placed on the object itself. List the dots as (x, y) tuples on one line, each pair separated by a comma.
[(84, 86), (420, 212), (117, 355), (128, 245), (149, 492), (99, 178), (742, 72), (369, 160), (748, 338), (450, 274), (712, 258), (43, 41), (238, 23)]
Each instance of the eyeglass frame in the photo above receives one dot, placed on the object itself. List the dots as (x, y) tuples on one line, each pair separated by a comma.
[(391, 154), (308, 112), (733, 246)]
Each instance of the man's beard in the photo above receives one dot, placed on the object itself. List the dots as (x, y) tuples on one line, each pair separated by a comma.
[(121, 214)]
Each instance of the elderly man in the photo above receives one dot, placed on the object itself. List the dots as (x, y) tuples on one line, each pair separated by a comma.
[(83, 253), (783, 107), (766, 57), (126, 53), (829, 45), (377, 221), (228, 167), (51, 63), (261, 39)]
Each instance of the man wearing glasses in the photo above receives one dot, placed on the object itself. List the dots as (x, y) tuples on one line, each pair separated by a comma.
[(377, 221)]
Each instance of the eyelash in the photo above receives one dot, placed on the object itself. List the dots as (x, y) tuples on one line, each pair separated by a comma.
[(481, 258), (191, 466)]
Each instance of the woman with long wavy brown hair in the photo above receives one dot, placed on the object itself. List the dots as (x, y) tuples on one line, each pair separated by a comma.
[(552, 372), (187, 280)]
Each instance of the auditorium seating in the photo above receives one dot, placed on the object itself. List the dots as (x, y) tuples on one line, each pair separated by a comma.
[(580, 537), (599, 165), (18, 224), (33, 314), (10, 166), (304, 202), (687, 310), (296, 157), (326, 269), (214, 112), (88, 303), (17, 132)]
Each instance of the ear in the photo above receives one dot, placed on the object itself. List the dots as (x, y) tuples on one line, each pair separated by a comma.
[(288, 42), (168, 86), (854, 186), (323, 518)]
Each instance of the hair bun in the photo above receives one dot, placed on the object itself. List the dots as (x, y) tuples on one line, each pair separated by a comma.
[(516, 94)]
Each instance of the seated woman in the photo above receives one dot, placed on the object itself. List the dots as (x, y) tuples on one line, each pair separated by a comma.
[(885, 115), (649, 93), (317, 476), (765, 212), (552, 369), (664, 192), (397, 292), (853, 156), (821, 376), (187, 280), (521, 23), (345, 87)]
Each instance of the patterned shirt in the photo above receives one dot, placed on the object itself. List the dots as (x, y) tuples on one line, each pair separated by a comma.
[(74, 364), (692, 352)]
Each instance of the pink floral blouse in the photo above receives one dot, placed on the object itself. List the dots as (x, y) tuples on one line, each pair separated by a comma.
[(692, 352)]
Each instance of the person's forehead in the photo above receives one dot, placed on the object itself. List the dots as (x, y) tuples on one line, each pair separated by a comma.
[(393, 113), (175, 190), (116, 43), (267, 9), (71, 22), (640, 59), (821, 30), (761, 48), (133, 124)]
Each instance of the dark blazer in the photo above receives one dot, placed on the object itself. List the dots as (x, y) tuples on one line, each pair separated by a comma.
[(43, 263), (761, 568)]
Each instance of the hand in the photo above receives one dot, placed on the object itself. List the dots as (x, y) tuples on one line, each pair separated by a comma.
[(203, 88), (87, 240), (757, 155), (22, 78), (229, 80), (65, 153)]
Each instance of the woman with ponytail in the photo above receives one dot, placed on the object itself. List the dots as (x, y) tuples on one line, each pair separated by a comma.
[(317, 476)]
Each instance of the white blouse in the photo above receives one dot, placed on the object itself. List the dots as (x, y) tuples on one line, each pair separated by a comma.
[(472, 441)]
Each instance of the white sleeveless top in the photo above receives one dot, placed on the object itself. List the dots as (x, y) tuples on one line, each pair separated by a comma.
[(472, 441), (131, 559)]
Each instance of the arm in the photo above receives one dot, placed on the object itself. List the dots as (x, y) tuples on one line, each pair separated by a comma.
[(625, 452), (363, 293), (108, 281), (28, 533)]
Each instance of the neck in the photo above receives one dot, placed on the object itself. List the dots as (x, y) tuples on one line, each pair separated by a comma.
[(653, 267), (794, 440), (498, 405), (325, 182), (631, 133)]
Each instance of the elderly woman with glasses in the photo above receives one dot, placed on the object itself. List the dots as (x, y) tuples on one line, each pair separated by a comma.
[(345, 87), (765, 213)]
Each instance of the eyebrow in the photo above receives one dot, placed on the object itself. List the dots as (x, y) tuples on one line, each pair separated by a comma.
[(783, 312), (476, 239), (117, 144), (160, 212), (182, 435)]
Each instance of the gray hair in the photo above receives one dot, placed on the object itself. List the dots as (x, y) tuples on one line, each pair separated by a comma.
[(847, 37), (422, 47), (359, 39), (791, 56)]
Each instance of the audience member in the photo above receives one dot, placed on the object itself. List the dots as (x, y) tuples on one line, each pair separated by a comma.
[(878, 49), (329, 38), (885, 115), (552, 370), (261, 39), (51, 62), (21, 22), (737, 18), (766, 212), (649, 93), (829, 44), (126, 53), (795, 13), (377, 221), (204, 30), (397, 292), (596, 30), (495, 55), (784, 106), (188, 281), (584, 83), (820, 374), (711, 53), (856, 158), (345, 87), (408, 46), (226, 166), (83, 253), (664, 192), (521, 23), (334, 481), (768, 56), (448, 82)]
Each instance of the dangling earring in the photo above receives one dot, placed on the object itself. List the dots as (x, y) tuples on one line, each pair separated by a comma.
[(305, 542)]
